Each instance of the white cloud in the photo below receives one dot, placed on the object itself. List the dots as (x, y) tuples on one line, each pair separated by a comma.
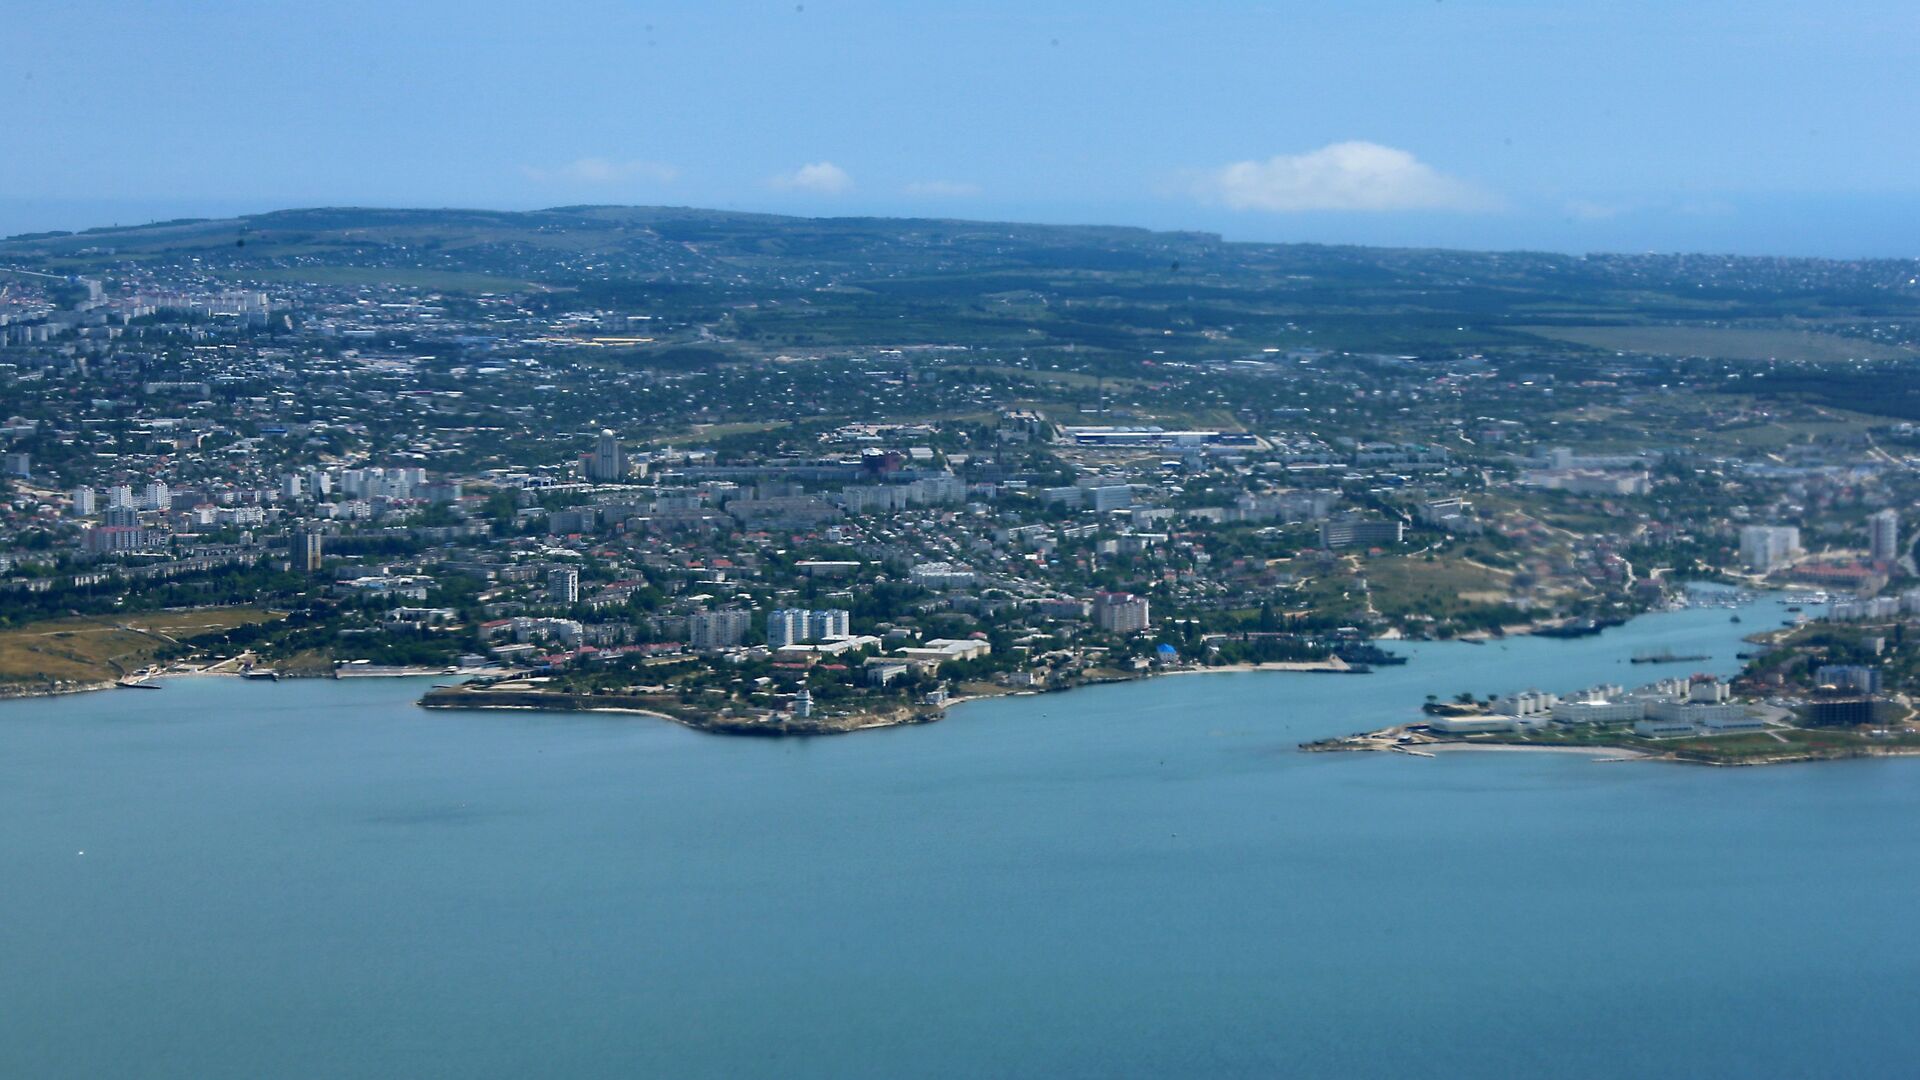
[(1341, 176), (593, 170), (819, 178), (942, 189)]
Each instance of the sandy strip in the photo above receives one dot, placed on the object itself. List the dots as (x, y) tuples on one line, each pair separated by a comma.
[(1275, 665), (1592, 751)]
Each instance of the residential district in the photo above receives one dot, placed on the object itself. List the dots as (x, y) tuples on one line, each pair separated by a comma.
[(576, 498)]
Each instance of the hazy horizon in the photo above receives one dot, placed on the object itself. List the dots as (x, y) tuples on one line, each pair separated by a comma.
[(1762, 128), (80, 217)]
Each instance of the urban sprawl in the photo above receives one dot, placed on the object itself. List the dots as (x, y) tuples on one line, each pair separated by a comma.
[(712, 503)]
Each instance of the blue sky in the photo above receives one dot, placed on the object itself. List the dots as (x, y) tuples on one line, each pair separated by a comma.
[(1749, 127)]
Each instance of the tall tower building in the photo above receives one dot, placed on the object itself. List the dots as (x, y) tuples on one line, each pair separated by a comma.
[(563, 585), (1883, 535), (833, 623), (83, 501), (307, 550), (1767, 547), (786, 626), (607, 463)]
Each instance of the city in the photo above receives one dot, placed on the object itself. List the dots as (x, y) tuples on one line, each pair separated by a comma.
[(651, 505), (837, 540)]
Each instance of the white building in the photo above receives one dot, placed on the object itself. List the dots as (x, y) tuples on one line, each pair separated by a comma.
[(1598, 710), (708, 631), (563, 585), (937, 490), (1768, 547), (790, 626), (942, 650), (1111, 497), (942, 575), (1121, 613), (1476, 724), (83, 502), (1883, 535), (607, 463), (829, 623), (786, 626)]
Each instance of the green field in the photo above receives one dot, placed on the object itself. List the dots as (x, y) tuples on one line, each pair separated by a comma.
[(443, 280), (1722, 342)]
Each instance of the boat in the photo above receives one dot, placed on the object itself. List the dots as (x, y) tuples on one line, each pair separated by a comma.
[(1735, 618), (138, 684), (273, 676)]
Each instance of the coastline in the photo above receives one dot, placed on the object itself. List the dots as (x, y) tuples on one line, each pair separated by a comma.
[(1610, 753), (1331, 665), (901, 716), (1403, 739), (24, 691)]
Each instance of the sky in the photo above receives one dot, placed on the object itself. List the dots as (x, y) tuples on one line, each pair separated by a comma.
[(1752, 127)]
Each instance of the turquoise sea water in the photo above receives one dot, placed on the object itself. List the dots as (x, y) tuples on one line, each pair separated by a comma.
[(321, 880)]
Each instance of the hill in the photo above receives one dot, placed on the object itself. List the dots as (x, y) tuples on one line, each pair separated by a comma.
[(795, 281)]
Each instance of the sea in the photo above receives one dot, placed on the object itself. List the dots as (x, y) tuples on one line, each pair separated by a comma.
[(319, 879)]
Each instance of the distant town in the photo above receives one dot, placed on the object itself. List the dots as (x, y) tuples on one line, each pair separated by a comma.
[(329, 447)]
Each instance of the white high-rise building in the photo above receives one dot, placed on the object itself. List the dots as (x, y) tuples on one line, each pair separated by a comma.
[(786, 626), (119, 495), (711, 630), (1883, 535), (157, 496), (607, 463), (831, 623), (790, 626), (563, 585), (83, 502), (1767, 547), (1121, 613)]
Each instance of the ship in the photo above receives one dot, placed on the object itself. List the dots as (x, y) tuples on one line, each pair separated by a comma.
[(1368, 654), (1667, 656), (1578, 628)]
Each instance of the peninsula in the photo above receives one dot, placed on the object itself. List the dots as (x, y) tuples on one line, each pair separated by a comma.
[(795, 475)]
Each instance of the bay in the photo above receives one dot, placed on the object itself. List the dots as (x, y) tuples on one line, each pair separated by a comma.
[(320, 879)]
